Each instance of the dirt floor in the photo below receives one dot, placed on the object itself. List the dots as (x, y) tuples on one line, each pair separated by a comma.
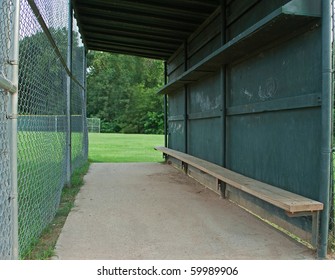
[(153, 211)]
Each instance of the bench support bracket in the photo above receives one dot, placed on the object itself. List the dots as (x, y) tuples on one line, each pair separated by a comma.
[(221, 187), (184, 166), (315, 224)]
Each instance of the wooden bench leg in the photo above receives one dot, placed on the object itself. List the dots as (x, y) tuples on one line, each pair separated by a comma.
[(184, 166), (221, 187), (315, 224), (315, 228)]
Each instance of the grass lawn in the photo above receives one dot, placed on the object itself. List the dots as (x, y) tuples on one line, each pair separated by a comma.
[(112, 147)]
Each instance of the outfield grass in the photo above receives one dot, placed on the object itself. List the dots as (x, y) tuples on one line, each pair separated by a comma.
[(112, 147)]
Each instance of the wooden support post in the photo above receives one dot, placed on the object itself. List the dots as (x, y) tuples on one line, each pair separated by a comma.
[(315, 224), (315, 228), (184, 166), (222, 188)]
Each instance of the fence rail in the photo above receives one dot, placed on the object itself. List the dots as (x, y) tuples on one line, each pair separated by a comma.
[(43, 127)]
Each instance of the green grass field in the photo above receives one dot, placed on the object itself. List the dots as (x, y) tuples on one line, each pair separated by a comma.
[(111, 147)]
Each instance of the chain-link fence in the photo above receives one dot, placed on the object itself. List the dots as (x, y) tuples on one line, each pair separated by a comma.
[(6, 240), (42, 113), (93, 125), (43, 124)]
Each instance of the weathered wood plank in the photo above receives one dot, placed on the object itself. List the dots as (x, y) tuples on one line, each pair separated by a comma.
[(283, 199)]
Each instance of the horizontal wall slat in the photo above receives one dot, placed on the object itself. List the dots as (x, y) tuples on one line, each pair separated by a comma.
[(296, 102), (176, 118), (210, 32), (205, 115), (236, 9)]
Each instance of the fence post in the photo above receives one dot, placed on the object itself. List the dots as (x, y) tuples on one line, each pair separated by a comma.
[(13, 71), (326, 122), (85, 129), (68, 98), (165, 107), (186, 88)]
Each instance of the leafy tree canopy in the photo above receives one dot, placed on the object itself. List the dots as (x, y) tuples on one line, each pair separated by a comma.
[(122, 92)]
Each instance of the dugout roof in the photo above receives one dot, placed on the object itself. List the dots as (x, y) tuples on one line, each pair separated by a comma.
[(149, 28)]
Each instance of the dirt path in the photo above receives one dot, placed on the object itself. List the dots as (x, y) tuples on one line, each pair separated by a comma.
[(152, 211)]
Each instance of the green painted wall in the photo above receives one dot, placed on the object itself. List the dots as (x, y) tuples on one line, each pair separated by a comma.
[(259, 115)]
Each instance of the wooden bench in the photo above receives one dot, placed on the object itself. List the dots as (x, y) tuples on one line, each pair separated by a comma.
[(294, 205)]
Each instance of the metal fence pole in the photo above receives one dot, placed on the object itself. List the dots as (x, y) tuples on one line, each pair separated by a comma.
[(85, 128), (13, 71), (224, 89), (326, 122), (186, 87), (68, 98), (332, 195), (165, 107)]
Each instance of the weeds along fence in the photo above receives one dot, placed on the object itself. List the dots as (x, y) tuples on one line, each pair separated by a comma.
[(50, 123)]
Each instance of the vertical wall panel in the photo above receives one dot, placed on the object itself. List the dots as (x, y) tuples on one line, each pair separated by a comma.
[(205, 42), (176, 64), (205, 139), (204, 108), (204, 97), (176, 126), (290, 69), (243, 14), (279, 147)]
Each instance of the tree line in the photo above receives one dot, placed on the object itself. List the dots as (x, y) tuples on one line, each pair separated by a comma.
[(122, 92)]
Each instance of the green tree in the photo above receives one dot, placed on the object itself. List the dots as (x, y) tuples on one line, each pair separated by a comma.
[(122, 91)]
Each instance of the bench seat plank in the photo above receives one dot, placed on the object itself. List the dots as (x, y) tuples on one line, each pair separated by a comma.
[(283, 199)]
